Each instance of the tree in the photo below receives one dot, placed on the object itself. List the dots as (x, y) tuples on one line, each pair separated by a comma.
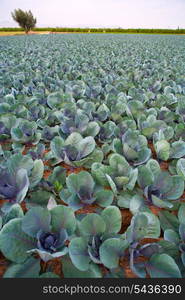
[(25, 19)]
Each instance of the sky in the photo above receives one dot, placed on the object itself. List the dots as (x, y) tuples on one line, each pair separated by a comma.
[(99, 13)]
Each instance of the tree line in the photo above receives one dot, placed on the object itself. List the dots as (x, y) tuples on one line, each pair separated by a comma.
[(27, 22)]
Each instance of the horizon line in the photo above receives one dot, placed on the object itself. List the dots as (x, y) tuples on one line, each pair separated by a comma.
[(95, 27)]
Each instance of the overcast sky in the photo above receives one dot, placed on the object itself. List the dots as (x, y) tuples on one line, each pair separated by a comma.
[(99, 13)]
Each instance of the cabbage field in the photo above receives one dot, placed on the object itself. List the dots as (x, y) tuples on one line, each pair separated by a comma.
[(92, 156)]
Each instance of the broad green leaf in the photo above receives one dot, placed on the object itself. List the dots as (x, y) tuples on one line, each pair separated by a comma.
[(177, 149), (163, 266), (123, 200), (145, 176), (169, 248), (63, 217), (98, 171), (154, 167), (56, 145), (76, 181), (95, 156), (163, 150), (104, 197), (14, 243), (54, 100), (37, 172), (136, 204), (117, 146), (92, 224), (132, 179), (74, 139), (79, 254), (181, 213), (110, 252), (36, 219), (168, 221), (70, 271), (144, 225), (29, 269), (113, 219), (143, 156), (129, 153), (120, 164), (182, 231), (14, 212), (161, 203), (86, 146), (171, 236), (177, 188), (58, 175), (38, 198), (181, 167), (19, 161), (92, 129)]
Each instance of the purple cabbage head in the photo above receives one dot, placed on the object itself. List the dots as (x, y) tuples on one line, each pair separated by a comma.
[(50, 242), (13, 187)]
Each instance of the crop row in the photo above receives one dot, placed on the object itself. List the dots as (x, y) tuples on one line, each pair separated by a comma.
[(101, 30)]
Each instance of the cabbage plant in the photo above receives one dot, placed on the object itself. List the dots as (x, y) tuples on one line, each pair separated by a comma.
[(175, 235), (82, 191), (133, 147), (159, 187), (7, 122), (149, 125), (157, 262), (25, 132), (118, 174), (14, 186), (19, 173), (40, 231), (76, 150), (78, 121), (166, 150), (98, 241)]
